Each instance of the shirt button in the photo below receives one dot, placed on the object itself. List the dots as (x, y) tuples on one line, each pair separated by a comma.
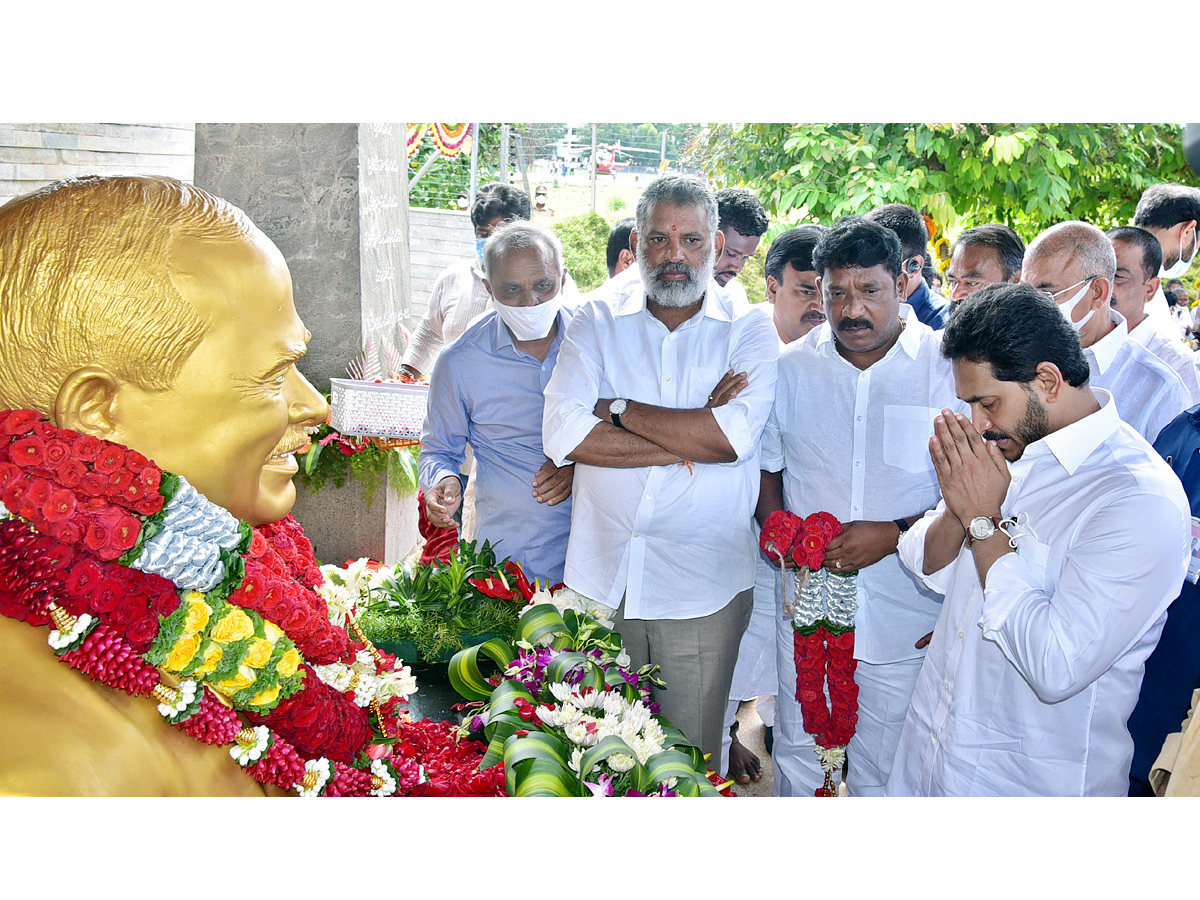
[(961, 635), (636, 535), (860, 418), (668, 378), (946, 686), (857, 463), (935, 737), (856, 509), (649, 496)]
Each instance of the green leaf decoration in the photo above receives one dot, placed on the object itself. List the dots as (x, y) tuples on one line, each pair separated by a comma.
[(464, 673)]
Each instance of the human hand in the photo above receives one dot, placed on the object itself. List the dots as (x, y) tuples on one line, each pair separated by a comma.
[(443, 500), (409, 375), (552, 484), (860, 544), (922, 643), (973, 473), (600, 410), (727, 388)]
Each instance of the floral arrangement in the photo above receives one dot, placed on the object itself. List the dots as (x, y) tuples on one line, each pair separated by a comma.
[(566, 715), (139, 572), (435, 606), (335, 457), (823, 623)]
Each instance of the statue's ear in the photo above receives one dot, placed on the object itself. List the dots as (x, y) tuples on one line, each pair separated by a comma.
[(85, 402)]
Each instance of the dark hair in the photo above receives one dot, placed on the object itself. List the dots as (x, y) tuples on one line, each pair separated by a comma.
[(1006, 242), (618, 240), (856, 242), (793, 247), (1014, 327), (1140, 237), (498, 199), (740, 210), (908, 224), (1164, 205)]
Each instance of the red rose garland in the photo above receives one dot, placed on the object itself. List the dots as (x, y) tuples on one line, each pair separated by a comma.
[(824, 637)]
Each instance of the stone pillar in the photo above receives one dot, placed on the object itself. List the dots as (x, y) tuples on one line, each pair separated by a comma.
[(334, 199)]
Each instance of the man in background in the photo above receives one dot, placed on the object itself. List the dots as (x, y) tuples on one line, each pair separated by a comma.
[(909, 225), (983, 255), (743, 221)]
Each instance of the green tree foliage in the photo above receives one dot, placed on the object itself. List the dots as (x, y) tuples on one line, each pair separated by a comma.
[(1026, 175), (439, 187), (585, 242)]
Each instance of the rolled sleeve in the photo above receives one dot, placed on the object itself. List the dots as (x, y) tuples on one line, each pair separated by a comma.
[(911, 551), (1112, 590), (771, 455), (444, 432), (573, 390), (755, 352)]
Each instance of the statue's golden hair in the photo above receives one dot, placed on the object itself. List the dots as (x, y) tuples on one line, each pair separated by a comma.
[(85, 280)]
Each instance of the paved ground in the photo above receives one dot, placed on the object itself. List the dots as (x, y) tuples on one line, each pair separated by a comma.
[(751, 732)]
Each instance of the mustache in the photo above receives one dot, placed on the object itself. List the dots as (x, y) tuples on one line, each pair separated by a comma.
[(995, 436), (813, 315), (675, 268), (294, 438), (856, 323)]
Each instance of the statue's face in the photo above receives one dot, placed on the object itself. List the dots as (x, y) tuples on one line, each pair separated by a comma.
[(239, 407)]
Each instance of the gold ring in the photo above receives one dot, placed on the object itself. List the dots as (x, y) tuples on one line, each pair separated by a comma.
[(837, 563), (710, 396)]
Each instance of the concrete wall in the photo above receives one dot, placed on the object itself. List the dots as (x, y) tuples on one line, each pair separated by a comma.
[(32, 155), (436, 238)]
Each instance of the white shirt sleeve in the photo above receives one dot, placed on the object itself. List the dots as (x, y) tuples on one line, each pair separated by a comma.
[(426, 340), (911, 550), (573, 389), (755, 352)]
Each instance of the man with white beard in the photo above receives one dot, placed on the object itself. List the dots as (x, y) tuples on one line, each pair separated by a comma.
[(659, 397)]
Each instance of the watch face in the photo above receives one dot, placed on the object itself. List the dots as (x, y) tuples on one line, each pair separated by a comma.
[(982, 527), (617, 407)]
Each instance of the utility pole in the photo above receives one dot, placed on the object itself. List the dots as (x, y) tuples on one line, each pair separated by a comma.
[(593, 168), (474, 163), (662, 154), (504, 153)]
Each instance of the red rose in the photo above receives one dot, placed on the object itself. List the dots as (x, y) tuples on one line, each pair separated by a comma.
[(56, 452), (70, 473), (285, 546), (67, 532), (163, 598), (9, 475), (151, 477), (843, 641), (85, 575), (109, 459), (27, 451), (39, 491), (135, 462), (273, 600), (142, 632), (124, 534), (106, 596), (93, 484), (86, 447), (59, 506), (95, 538), (148, 504), (258, 545), (20, 421), (118, 481)]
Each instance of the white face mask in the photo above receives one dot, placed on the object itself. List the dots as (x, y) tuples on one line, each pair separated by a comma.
[(1067, 307), (1182, 265), (529, 323)]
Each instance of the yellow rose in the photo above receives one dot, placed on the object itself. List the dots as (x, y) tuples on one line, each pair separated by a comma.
[(212, 657), (243, 679), (234, 626), (259, 653), (273, 631), (262, 698), (182, 653), (197, 614), (288, 663)]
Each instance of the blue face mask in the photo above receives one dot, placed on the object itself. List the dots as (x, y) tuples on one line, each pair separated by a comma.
[(479, 242)]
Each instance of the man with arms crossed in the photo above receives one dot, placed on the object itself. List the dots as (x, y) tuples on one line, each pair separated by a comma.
[(659, 398), (1061, 539)]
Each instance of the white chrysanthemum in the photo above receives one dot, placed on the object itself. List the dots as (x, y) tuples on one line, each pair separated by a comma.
[(549, 716), (579, 733), (321, 768), (568, 715), (630, 731), (576, 759), (614, 704), (561, 691), (591, 700), (638, 714), (653, 733), (621, 762)]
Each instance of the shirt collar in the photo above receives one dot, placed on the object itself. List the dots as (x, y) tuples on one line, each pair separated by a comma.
[(715, 306), (1074, 443), (1105, 349)]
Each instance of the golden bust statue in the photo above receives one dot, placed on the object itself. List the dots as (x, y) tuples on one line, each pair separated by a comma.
[(148, 312)]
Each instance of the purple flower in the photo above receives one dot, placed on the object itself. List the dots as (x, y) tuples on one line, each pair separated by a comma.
[(603, 789)]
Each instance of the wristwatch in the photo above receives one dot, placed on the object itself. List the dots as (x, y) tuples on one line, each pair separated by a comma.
[(615, 409), (982, 528)]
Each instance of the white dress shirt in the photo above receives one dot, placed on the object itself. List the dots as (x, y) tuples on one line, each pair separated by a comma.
[(1147, 392), (856, 444), (1175, 353), (677, 543), (1027, 686)]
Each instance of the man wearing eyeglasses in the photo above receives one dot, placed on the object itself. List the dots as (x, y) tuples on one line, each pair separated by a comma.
[(986, 254), (1074, 264), (1139, 258)]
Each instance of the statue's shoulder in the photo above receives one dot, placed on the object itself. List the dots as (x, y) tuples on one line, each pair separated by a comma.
[(66, 735)]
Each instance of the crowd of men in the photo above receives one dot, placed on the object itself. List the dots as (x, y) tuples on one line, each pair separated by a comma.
[(1018, 540)]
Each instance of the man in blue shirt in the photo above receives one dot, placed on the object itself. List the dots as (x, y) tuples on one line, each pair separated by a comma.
[(909, 225), (487, 390)]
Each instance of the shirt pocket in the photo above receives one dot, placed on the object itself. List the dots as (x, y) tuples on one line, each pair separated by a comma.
[(699, 383), (906, 433)]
